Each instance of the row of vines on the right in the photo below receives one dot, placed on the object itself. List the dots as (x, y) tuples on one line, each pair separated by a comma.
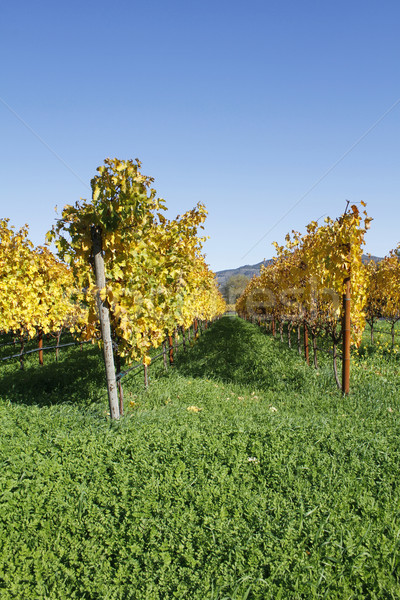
[(319, 286)]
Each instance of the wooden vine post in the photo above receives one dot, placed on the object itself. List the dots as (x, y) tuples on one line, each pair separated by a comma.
[(40, 339), (184, 338), (21, 356), (176, 337), (164, 352), (171, 350), (306, 344), (105, 323), (119, 384), (346, 338), (58, 343)]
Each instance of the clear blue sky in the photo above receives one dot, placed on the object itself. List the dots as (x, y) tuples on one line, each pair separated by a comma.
[(241, 105)]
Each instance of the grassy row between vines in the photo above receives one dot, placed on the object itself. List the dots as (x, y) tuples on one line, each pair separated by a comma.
[(240, 474)]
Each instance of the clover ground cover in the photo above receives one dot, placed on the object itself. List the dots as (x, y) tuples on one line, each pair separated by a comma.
[(277, 487)]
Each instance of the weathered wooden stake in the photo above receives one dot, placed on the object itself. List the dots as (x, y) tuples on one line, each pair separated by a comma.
[(306, 346), (58, 343), (21, 358), (146, 378), (119, 383), (315, 349), (184, 338), (171, 350), (346, 338), (40, 338), (105, 323), (164, 352)]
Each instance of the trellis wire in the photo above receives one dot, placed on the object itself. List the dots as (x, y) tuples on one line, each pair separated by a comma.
[(45, 348), (119, 376), (153, 358)]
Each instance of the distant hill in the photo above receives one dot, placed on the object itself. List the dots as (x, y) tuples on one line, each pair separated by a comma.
[(250, 270)]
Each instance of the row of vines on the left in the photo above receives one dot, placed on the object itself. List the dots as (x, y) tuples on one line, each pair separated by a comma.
[(36, 292)]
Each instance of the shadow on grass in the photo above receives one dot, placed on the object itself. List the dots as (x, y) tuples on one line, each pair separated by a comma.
[(238, 352), (78, 378)]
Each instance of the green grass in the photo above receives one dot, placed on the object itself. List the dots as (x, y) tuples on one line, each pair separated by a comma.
[(277, 488)]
